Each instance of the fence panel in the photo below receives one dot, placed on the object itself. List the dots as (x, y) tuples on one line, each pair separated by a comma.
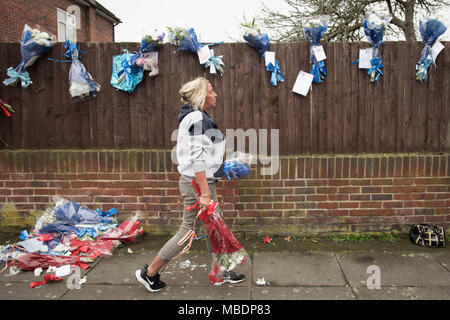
[(345, 114)]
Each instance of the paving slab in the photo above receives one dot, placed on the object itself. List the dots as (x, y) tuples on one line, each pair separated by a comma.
[(403, 293), (443, 259), (298, 269), (224, 292), (106, 292), (22, 291), (28, 276), (399, 269), (302, 293)]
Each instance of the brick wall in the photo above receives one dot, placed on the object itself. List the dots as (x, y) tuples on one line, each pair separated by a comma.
[(16, 13), (310, 194)]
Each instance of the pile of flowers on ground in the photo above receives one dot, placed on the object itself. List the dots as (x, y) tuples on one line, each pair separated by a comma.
[(68, 235)]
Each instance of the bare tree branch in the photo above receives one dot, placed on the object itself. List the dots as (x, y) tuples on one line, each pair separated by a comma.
[(346, 17)]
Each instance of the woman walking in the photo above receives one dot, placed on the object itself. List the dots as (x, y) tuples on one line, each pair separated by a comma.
[(200, 150)]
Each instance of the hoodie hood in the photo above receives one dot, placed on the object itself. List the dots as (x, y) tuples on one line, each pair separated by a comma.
[(185, 110)]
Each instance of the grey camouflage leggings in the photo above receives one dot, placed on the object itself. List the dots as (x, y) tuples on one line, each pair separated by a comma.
[(171, 248)]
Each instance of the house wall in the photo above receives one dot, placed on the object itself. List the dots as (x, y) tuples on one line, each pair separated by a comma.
[(15, 14)]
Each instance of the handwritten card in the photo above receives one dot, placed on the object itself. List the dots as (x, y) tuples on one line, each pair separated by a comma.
[(203, 54), (303, 83), (269, 57), (152, 55), (320, 53), (365, 55), (435, 50)]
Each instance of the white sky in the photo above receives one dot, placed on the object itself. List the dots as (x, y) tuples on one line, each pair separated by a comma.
[(212, 20)]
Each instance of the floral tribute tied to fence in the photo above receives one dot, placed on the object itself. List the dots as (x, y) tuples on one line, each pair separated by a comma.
[(314, 31), (430, 31), (261, 42), (33, 46)]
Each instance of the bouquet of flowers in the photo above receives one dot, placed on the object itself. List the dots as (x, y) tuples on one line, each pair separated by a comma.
[(227, 251), (150, 42), (125, 76), (430, 30), (254, 37), (33, 45), (177, 35), (314, 31), (82, 85), (237, 165), (374, 27), (261, 42)]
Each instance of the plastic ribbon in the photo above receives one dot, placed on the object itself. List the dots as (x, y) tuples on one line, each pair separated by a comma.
[(47, 278), (422, 69), (375, 69), (276, 73), (319, 71), (16, 75), (108, 213), (126, 69), (215, 63), (24, 235), (91, 231)]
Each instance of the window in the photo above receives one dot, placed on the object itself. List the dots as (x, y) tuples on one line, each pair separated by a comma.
[(67, 26)]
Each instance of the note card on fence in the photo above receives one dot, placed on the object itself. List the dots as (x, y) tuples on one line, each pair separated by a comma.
[(269, 57), (303, 83), (320, 53), (365, 55), (435, 50)]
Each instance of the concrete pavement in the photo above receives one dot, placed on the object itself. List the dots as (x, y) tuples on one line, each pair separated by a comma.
[(299, 270)]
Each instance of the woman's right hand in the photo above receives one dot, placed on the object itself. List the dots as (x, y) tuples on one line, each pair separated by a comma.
[(205, 201)]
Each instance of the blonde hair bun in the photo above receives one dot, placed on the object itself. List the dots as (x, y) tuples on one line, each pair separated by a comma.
[(194, 92)]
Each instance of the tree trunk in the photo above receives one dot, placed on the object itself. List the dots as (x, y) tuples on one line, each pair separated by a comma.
[(408, 30)]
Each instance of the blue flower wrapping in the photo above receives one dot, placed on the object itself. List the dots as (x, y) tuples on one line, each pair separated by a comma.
[(190, 43), (125, 76), (276, 76), (430, 31), (236, 169), (31, 51), (313, 36), (374, 34), (261, 42), (79, 74)]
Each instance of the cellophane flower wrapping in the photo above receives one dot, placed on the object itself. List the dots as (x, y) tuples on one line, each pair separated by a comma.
[(55, 239), (227, 251), (82, 86), (374, 27), (151, 41), (237, 165), (260, 41), (176, 35), (190, 43), (314, 31), (125, 76), (34, 44), (430, 31)]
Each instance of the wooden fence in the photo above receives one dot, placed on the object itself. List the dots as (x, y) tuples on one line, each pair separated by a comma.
[(345, 114)]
